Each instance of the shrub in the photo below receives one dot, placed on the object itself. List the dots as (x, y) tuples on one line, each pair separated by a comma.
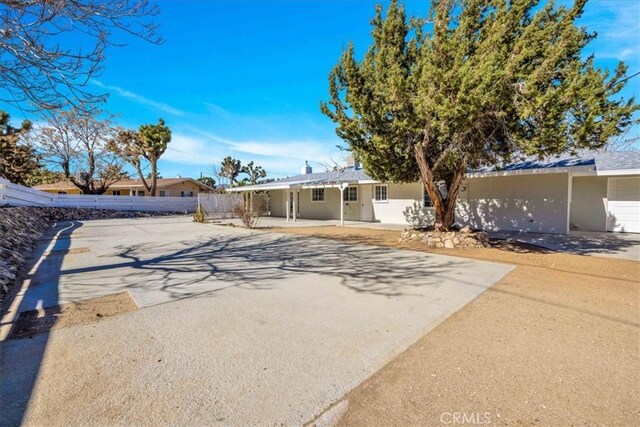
[(250, 210), (198, 216)]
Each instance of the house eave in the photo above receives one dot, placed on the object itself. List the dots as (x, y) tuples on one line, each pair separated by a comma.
[(588, 169)]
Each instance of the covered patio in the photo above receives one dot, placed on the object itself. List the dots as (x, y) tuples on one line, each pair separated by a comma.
[(343, 196)]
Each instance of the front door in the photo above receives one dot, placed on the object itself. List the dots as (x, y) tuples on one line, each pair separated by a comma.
[(351, 203), (366, 202)]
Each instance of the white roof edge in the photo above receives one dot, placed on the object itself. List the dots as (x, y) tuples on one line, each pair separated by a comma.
[(618, 172), (534, 171), (304, 184), (261, 187)]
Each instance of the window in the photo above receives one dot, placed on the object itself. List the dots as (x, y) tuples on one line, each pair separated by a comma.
[(140, 193), (426, 200), (380, 193), (350, 194), (441, 187), (115, 192), (186, 194), (317, 194), (163, 193), (62, 192)]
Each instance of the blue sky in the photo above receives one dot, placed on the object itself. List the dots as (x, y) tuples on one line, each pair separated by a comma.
[(245, 78)]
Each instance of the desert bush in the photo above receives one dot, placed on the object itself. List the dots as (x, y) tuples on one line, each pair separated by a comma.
[(198, 215), (250, 210)]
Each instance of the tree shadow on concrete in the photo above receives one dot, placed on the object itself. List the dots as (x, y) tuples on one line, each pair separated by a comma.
[(258, 261)]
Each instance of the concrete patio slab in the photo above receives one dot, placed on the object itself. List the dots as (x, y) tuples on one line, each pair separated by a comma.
[(239, 327)]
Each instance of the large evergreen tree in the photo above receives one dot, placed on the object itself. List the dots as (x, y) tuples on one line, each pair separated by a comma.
[(17, 158), (478, 82)]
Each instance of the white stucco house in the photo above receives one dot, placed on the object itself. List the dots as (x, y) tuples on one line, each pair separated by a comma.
[(592, 191)]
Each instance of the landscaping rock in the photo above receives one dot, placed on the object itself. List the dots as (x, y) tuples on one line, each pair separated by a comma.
[(22, 227), (463, 238)]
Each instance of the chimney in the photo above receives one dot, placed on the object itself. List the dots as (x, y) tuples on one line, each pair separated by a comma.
[(306, 169), (353, 163)]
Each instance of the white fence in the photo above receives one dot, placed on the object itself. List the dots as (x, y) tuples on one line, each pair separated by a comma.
[(17, 195)]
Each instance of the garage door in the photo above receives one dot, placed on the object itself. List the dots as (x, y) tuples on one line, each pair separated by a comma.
[(624, 205)]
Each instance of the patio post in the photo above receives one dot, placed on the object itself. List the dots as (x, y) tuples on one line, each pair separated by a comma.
[(295, 205), (342, 187), (287, 207)]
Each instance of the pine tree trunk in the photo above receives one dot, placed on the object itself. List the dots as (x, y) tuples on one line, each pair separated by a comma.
[(444, 209)]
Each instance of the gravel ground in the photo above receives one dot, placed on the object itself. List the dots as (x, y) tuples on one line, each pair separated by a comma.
[(555, 342), (91, 310)]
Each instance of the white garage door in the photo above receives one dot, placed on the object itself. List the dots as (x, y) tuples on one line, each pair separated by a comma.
[(624, 205)]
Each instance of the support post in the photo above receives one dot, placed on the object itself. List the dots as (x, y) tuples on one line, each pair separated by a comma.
[(288, 202), (342, 188), (569, 197), (295, 205)]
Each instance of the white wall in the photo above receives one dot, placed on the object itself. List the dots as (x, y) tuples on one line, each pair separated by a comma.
[(17, 195), (589, 203), (532, 203), (277, 202), (400, 196), (329, 209)]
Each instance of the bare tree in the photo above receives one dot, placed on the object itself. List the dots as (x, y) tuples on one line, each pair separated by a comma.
[(214, 170), (42, 65), (78, 144)]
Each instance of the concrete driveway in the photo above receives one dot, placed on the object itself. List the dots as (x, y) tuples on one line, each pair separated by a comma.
[(237, 327)]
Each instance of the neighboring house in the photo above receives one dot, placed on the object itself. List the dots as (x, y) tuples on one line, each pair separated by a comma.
[(166, 187), (590, 192)]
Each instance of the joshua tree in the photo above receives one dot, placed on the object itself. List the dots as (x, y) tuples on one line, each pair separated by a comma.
[(254, 173), (147, 144), (230, 169)]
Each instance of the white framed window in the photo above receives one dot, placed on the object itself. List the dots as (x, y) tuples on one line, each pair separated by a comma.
[(350, 194), (317, 194), (186, 194), (140, 193), (381, 193), (164, 193), (426, 200), (115, 192)]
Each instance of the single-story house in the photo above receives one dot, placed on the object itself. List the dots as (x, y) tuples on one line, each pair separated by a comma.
[(165, 187), (592, 191)]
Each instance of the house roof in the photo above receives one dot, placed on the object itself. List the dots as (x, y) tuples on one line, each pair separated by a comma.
[(124, 184), (600, 162), (590, 161), (346, 175)]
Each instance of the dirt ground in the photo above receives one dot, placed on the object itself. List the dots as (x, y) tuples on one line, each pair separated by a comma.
[(33, 322), (556, 342)]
